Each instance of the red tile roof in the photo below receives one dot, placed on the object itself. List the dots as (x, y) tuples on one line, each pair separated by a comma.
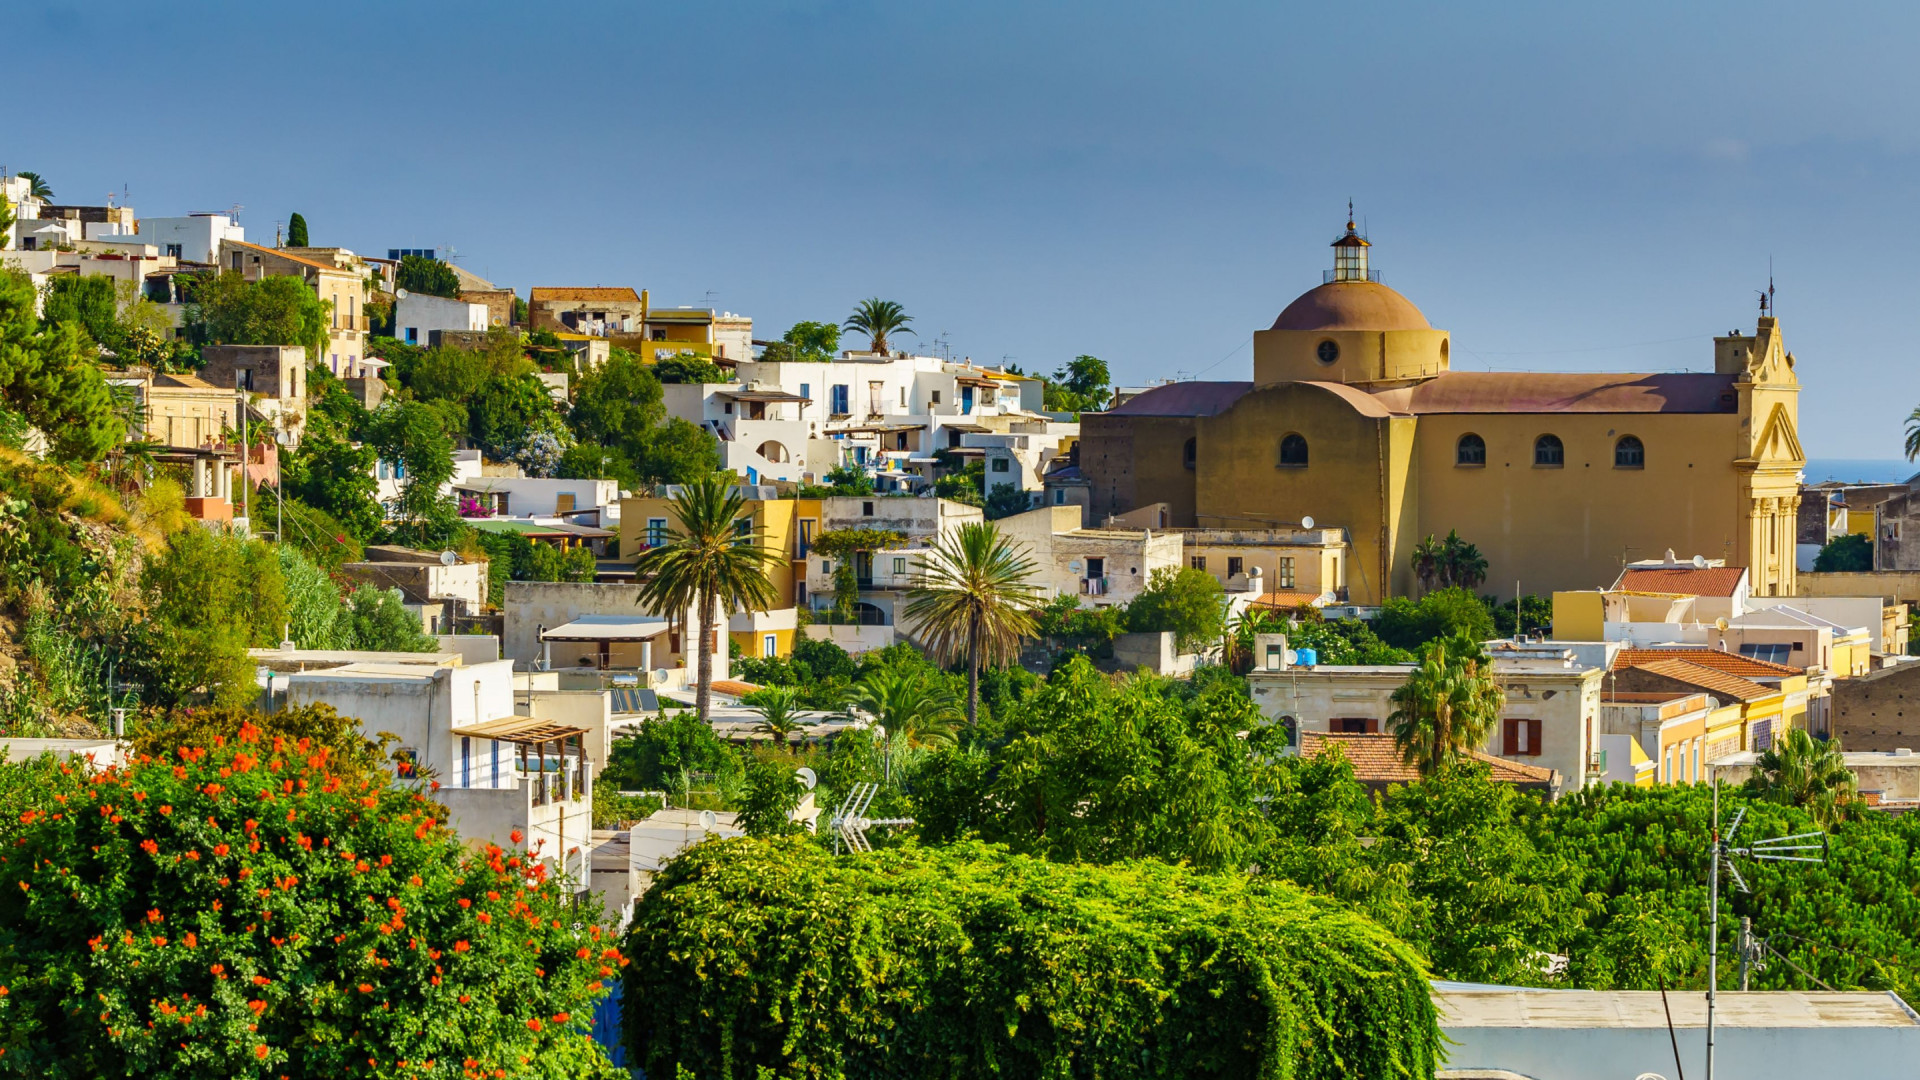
[(1183, 399), (592, 294), (733, 687), (1719, 660), (1557, 392), (1286, 600), (1712, 581), (1376, 759), (1706, 678), (277, 253)]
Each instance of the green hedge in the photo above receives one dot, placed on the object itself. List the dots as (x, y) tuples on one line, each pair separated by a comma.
[(969, 961)]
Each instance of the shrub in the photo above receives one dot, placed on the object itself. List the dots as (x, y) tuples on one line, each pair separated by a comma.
[(155, 929)]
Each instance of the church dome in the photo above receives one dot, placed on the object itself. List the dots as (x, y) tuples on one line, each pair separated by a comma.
[(1351, 305)]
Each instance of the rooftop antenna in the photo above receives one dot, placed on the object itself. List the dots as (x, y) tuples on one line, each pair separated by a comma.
[(233, 213), (850, 823), (1777, 849)]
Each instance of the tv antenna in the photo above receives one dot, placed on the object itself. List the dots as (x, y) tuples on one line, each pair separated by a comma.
[(1778, 849), (850, 823)]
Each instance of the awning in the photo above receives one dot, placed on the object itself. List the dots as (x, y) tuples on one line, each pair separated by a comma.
[(967, 451), (975, 380), (974, 428), (520, 729), (761, 395), (608, 628)]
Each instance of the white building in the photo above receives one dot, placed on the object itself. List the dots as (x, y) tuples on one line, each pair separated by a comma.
[(589, 628), (590, 502), (1102, 566), (390, 478), (194, 238), (416, 316), (884, 576), (888, 413)]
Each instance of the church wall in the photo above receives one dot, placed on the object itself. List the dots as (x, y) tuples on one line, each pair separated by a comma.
[(1352, 459), (1573, 527), (1365, 355), (1130, 461)]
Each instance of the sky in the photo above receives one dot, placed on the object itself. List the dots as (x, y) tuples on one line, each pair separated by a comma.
[(1563, 187)]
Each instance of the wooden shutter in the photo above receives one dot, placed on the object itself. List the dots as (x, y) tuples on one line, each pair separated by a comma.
[(1510, 737)]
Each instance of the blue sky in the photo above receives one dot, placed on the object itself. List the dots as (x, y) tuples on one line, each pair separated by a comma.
[(1562, 186)]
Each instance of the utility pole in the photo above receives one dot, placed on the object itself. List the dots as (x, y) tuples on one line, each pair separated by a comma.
[(245, 503)]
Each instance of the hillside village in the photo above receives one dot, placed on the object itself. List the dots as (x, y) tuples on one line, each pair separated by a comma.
[(639, 625)]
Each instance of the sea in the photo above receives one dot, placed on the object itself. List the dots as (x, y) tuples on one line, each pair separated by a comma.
[(1860, 470)]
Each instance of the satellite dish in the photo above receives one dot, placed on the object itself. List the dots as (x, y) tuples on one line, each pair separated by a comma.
[(448, 558), (807, 777), (1699, 562), (1306, 523), (708, 821), (1720, 624), (399, 294)]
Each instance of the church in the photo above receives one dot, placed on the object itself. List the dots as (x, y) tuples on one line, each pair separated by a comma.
[(1355, 419)]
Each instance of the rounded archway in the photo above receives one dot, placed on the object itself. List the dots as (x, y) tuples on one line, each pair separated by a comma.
[(773, 451)]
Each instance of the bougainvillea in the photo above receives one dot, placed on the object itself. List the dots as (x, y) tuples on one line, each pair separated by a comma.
[(967, 961), (247, 910)]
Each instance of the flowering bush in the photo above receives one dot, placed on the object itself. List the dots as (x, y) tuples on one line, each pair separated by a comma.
[(246, 909)]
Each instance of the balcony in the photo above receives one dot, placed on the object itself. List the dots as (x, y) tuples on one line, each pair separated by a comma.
[(1094, 586)]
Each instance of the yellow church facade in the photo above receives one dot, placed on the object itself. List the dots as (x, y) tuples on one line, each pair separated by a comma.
[(1355, 418)]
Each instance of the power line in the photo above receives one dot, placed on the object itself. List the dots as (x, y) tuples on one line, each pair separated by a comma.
[(1224, 359)]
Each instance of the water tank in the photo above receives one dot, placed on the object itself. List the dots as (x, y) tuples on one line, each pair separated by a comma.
[(1306, 657)]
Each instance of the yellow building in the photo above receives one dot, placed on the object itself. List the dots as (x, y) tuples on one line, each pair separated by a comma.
[(647, 521), (1355, 418)]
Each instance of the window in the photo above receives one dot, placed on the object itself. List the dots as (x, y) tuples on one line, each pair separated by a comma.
[(1353, 725), (413, 335), (727, 408), (236, 260), (903, 397), (1096, 568), (1293, 452), (838, 404), (1629, 453), (466, 761), (1548, 452), (1471, 450), (866, 509), (1328, 351), (899, 566), (806, 538), (1522, 738), (1188, 454), (936, 397), (1234, 565), (1286, 572), (495, 762), (1059, 496), (656, 532), (743, 527), (174, 250), (769, 646), (1198, 562), (1000, 464)]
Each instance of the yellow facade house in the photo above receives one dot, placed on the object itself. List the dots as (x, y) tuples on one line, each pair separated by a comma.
[(1354, 417), (647, 521)]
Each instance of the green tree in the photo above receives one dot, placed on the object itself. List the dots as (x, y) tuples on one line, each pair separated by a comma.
[(772, 792), (618, 406), (413, 436), (878, 319), (1343, 641), (1186, 601), (1210, 975), (48, 377), (209, 598), (430, 277), (1083, 385), (297, 230), (1409, 624), (377, 620), (36, 187), (227, 309), (975, 602), (911, 704), (813, 342), (313, 602), (665, 752), (149, 895), (778, 708), (708, 564), (506, 409), (89, 302), (1007, 500), (1448, 563), (336, 477), (1447, 706), (689, 368), (1852, 553), (1799, 771)]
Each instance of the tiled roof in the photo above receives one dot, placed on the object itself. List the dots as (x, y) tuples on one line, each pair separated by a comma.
[(595, 294), (1376, 759), (1712, 581), (1183, 399), (1731, 663), (1706, 678), (1557, 392), (1286, 599), (733, 687), (277, 253)]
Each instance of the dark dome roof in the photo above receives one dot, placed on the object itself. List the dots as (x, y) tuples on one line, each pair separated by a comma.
[(1351, 305)]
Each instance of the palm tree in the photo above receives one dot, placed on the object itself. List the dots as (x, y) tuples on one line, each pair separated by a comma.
[(974, 602), (779, 709), (36, 186), (1798, 771), (1461, 564), (1447, 705), (909, 705), (1913, 434), (1427, 559), (877, 318), (708, 561)]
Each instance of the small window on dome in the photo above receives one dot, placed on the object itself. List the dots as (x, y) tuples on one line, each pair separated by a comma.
[(1328, 352)]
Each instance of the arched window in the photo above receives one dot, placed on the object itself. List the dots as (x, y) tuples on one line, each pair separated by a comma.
[(1548, 451), (1188, 454), (1293, 452), (1472, 450), (1629, 453)]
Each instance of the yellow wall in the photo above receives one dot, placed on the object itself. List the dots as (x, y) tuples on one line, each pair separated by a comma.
[(773, 520), (749, 641), (1365, 355), (1577, 616)]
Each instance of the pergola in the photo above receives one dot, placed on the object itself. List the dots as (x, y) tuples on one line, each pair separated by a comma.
[(604, 630)]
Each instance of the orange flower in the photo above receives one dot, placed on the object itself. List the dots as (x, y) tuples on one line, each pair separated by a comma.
[(464, 902), (366, 988), (221, 849), (150, 847), (561, 1018), (514, 836), (261, 1052), (464, 998), (533, 1025), (153, 915), (485, 918), (459, 946), (414, 881), (192, 941), (583, 952), (219, 971), (166, 809)]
